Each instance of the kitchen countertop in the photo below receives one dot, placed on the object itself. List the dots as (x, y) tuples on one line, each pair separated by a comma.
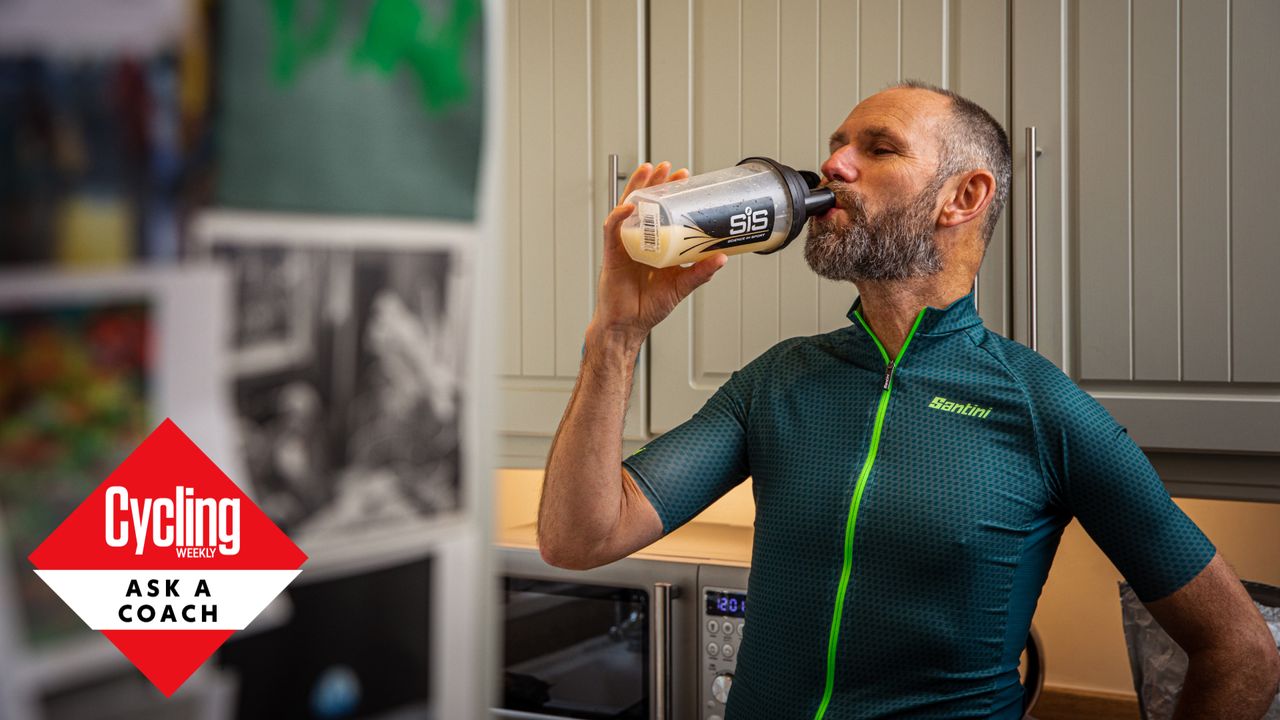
[(695, 542), (721, 534)]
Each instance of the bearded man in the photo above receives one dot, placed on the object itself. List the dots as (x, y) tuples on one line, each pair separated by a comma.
[(912, 471)]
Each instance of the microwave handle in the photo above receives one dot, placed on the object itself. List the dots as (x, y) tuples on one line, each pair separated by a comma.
[(663, 593)]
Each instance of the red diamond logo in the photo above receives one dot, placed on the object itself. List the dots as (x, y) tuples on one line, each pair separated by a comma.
[(167, 558)]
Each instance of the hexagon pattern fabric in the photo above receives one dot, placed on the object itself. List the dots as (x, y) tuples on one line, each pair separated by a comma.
[(956, 528)]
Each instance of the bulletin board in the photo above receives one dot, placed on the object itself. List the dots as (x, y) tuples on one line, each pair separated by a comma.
[(368, 107)]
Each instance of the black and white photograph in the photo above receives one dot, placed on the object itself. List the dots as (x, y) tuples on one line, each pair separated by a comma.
[(347, 387)]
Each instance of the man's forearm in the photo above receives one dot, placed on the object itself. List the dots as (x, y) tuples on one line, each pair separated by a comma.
[(1221, 685), (582, 490)]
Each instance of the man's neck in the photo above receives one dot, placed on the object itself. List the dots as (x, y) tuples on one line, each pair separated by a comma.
[(890, 307)]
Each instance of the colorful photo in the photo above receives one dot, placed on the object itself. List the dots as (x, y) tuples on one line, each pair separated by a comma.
[(73, 405)]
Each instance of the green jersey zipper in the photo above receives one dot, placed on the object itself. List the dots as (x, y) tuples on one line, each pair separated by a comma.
[(885, 390)]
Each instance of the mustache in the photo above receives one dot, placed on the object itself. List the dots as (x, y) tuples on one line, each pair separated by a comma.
[(847, 198)]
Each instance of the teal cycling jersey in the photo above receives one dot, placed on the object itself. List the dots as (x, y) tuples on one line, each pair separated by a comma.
[(907, 512)]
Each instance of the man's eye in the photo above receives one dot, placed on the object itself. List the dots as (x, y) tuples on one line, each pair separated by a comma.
[(882, 151)]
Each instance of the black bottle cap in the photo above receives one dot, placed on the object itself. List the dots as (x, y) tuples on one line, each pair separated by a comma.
[(807, 199)]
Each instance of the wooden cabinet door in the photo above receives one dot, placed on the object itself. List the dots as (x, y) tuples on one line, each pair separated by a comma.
[(735, 78), (575, 93), (1157, 248)]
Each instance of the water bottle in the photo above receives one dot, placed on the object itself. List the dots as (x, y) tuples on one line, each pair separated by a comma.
[(759, 206)]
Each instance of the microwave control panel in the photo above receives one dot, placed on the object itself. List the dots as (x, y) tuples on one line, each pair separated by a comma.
[(723, 618)]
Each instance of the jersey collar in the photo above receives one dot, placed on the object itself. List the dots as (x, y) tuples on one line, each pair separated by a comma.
[(959, 315)]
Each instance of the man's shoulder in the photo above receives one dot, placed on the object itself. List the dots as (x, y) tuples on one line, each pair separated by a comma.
[(788, 354), (1054, 398)]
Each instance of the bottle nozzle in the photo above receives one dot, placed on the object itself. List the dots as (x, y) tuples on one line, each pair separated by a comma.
[(819, 201)]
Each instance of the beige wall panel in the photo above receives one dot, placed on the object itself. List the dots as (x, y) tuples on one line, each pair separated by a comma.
[(980, 27), (758, 313), (671, 69), (512, 336), (838, 24), (838, 92), (618, 50), (1101, 187), (879, 49), (672, 65), (1206, 193), (1155, 191), (717, 122), (924, 41), (800, 139), (1255, 155), (537, 217), (573, 177)]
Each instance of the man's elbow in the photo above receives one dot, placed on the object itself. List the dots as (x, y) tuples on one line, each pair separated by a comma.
[(1269, 661), (565, 555), (1256, 664)]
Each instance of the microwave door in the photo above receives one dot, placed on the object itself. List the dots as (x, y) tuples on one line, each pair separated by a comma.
[(575, 650)]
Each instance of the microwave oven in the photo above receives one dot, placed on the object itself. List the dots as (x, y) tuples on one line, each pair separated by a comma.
[(637, 639)]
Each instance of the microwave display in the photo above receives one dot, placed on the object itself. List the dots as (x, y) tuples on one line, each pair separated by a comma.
[(726, 604), (575, 650)]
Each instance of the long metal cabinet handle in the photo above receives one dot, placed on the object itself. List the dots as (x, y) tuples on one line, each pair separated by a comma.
[(613, 183), (662, 595), (1032, 312)]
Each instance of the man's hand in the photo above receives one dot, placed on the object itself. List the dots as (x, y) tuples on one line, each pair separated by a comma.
[(1233, 668), (634, 297)]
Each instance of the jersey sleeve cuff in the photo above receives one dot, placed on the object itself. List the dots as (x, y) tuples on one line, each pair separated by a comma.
[(649, 492)]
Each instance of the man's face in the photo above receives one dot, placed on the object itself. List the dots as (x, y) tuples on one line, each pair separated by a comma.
[(883, 169)]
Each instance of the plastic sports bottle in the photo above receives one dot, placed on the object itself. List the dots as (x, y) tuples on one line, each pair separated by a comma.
[(759, 206)]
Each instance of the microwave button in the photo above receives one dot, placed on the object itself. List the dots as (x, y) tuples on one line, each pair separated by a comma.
[(728, 628), (713, 649), (739, 629), (713, 626), (727, 651)]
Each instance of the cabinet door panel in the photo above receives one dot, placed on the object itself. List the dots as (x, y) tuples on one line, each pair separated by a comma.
[(1161, 239), (800, 137), (1205, 204), (1101, 180), (1254, 243), (924, 44), (978, 68), (574, 94), (762, 77), (1156, 278)]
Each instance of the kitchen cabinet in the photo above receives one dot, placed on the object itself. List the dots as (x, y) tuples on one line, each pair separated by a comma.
[(1155, 244), (575, 93)]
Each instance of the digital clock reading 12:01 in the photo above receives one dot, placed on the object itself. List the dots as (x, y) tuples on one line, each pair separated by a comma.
[(726, 604)]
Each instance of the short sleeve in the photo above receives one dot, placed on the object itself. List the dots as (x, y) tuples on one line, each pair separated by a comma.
[(692, 465), (1107, 482)]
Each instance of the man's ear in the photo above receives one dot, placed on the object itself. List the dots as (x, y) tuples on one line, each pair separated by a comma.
[(973, 193)]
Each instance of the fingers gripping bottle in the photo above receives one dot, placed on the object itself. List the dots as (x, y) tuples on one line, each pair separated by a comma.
[(757, 206)]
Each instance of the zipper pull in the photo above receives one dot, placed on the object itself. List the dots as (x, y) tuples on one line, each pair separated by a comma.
[(888, 376)]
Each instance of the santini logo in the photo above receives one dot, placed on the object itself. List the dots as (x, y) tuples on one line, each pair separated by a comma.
[(945, 405)]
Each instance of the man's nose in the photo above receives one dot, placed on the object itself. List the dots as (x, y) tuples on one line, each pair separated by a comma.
[(840, 165)]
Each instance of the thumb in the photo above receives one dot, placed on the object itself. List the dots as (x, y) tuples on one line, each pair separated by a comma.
[(693, 277)]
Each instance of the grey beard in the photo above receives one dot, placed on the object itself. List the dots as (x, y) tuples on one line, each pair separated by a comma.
[(896, 244)]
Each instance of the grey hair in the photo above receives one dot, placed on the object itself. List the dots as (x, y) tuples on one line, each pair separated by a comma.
[(973, 140)]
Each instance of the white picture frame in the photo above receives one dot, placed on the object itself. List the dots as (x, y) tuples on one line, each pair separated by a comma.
[(187, 312), (335, 248)]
